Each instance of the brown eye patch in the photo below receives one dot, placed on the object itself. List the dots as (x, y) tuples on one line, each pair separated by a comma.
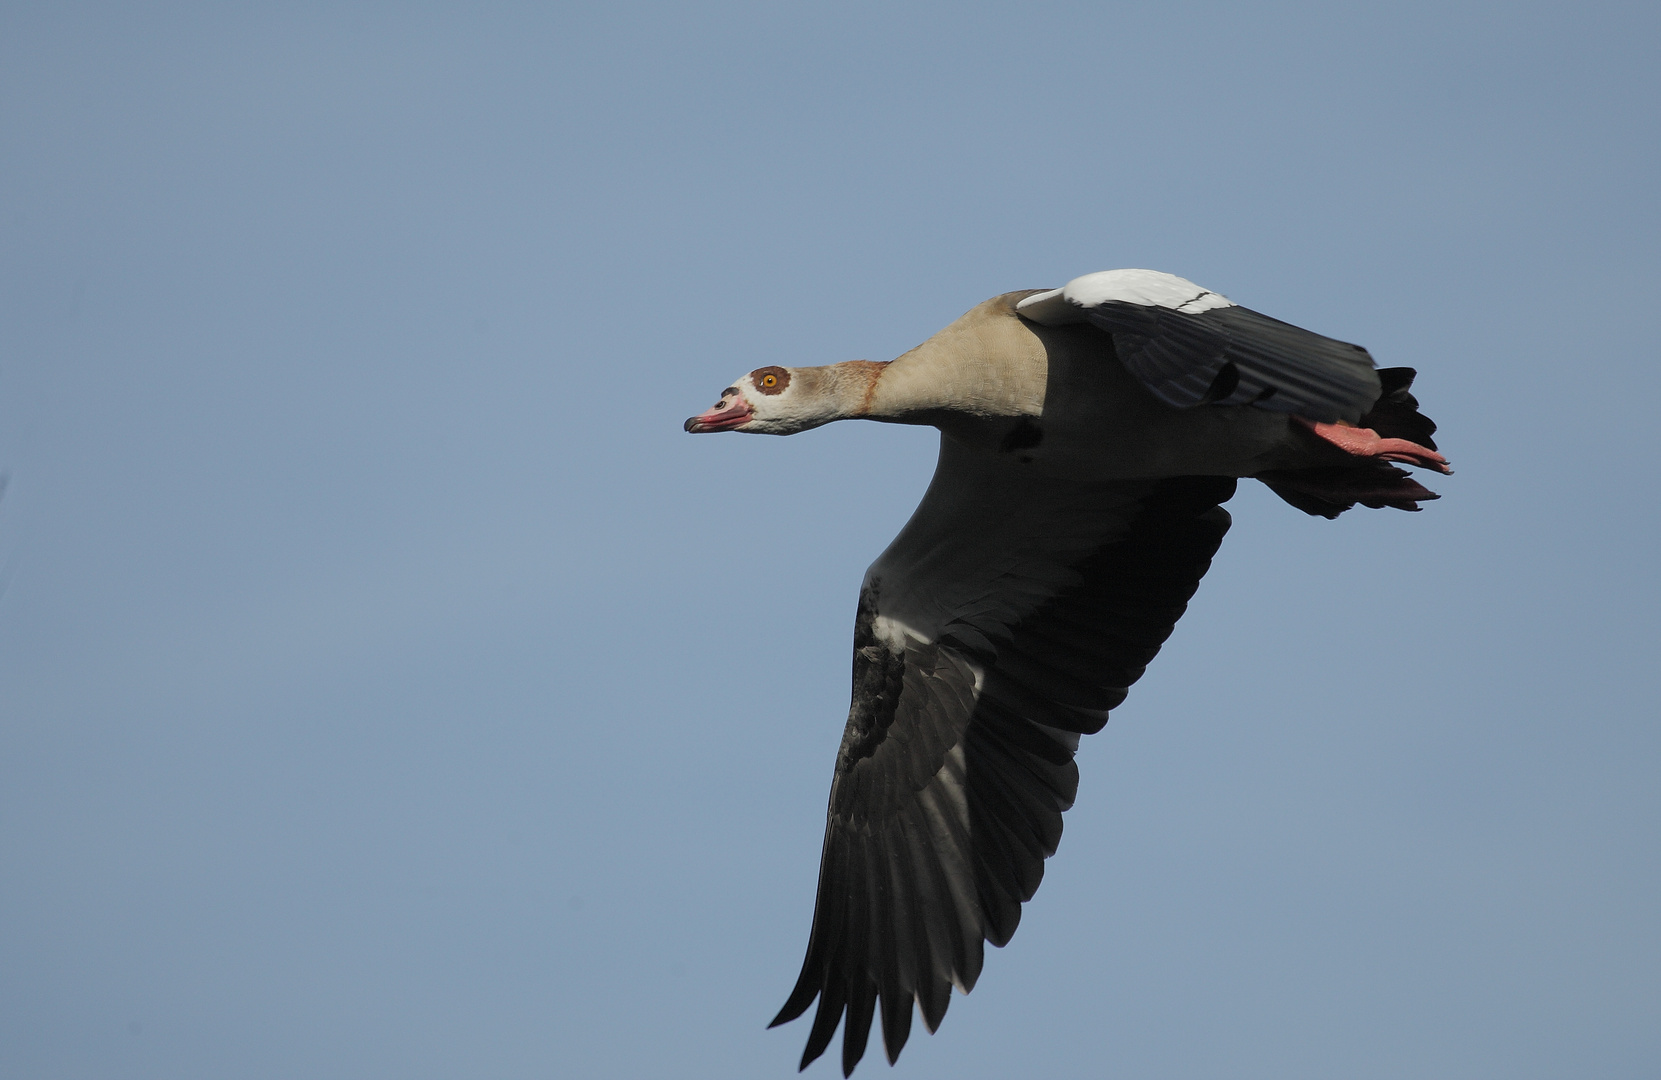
[(770, 380)]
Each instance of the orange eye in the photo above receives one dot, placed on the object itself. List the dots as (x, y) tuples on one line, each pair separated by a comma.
[(770, 380)]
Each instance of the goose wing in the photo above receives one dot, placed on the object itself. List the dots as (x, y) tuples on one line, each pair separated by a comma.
[(1191, 346), (1002, 623)]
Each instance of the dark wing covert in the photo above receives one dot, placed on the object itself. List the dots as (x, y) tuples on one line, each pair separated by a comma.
[(1237, 356)]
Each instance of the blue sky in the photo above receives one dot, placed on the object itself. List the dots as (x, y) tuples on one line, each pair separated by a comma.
[(390, 688)]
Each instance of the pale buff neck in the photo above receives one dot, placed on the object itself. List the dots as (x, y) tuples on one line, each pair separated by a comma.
[(842, 391), (989, 363)]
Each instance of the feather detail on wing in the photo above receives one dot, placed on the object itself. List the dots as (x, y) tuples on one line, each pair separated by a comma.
[(1003, 622), (1190, 346)]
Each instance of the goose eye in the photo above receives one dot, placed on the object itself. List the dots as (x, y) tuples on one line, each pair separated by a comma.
[(770, 380)]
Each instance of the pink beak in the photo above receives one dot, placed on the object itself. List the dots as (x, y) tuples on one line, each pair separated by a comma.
[(725, 416)]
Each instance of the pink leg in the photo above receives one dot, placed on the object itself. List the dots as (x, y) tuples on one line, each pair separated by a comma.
[(1365, 442)]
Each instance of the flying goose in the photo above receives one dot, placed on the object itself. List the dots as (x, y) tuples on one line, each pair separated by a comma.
[(1088, 437)]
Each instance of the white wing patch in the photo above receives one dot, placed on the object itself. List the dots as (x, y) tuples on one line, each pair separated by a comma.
[(895, 634), (1147, 288)]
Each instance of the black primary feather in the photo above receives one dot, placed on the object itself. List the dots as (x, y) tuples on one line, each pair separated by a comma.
[(946, 802)]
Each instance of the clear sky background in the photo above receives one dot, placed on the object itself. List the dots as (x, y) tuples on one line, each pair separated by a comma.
[(389, 688)]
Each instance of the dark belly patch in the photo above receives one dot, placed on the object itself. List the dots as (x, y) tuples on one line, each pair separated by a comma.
[(1025, 435)]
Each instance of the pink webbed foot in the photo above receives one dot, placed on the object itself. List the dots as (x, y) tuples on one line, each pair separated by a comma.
[(1367, 443)]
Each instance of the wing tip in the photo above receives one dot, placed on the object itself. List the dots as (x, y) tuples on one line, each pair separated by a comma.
[(800, 998)]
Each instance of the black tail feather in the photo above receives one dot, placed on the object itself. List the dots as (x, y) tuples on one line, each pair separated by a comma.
[(1396, 415), (1329, 491)]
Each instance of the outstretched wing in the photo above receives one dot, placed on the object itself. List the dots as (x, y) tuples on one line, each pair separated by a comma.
[(1191, 346), (1003, 622)]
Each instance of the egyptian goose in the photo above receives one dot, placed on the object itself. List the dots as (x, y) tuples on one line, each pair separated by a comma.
[(1089, 435)]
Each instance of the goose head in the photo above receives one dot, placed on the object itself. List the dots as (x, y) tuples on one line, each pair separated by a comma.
[(784, 400)]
